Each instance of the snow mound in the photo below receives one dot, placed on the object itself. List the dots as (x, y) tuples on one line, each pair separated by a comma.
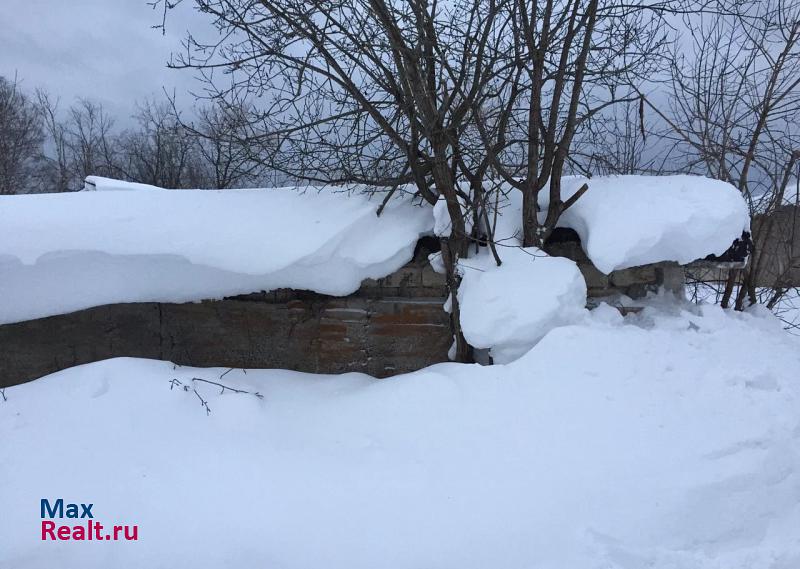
[(667, 440), (509, 308), (627, 221), (65, 252)]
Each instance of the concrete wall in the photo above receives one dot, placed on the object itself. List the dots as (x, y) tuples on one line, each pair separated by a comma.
[(634, 282), (306, 332), (391, 325)]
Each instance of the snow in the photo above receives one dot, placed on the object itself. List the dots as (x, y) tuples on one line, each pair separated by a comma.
[(442, 226), (65, 252), (786, 309), (623, 221), (130, 243), (101, 184), (509, 308), (667, 440), (791, 193), (627, 221)]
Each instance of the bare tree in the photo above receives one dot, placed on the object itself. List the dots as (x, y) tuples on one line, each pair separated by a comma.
[(160, 151), (92, 142), (571, 61), (734, 112), (222, 135), (81, 144), (21, 139), (616, 143), (451, 98), (57, 175), (364, 91)]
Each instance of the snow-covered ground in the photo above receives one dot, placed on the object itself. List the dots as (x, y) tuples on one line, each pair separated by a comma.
[(787, 309), (667, 440)]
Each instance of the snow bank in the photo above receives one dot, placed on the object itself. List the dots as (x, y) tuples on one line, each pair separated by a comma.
[(667, 441), (64, 252), (627, 221), (510, 307)]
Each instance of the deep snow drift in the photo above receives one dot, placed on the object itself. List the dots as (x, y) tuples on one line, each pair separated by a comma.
[(64, 252), (667, 440)]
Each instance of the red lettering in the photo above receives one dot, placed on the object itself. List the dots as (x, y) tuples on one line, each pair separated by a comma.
[(64, 532), (47, 528), (79, 533), (90, 531)]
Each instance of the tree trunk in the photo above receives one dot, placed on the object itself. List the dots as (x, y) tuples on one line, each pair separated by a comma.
[(530, 222), (729, 284), (452, 250)]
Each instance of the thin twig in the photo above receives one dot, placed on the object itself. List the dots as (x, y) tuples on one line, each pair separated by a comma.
[(223, 388), (177, 383), (386, 200)]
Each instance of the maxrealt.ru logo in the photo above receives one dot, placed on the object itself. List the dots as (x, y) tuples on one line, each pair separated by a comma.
[(90, 530)]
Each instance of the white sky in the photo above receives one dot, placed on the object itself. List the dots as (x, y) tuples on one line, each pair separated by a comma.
[(102, 49)]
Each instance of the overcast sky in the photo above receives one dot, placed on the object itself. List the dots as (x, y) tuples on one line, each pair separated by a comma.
[(102, 49)]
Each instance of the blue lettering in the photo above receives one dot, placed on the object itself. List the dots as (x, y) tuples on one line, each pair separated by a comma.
[(57, 511)]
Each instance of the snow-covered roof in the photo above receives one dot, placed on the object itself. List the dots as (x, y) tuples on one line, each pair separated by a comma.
[(65, 252)]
